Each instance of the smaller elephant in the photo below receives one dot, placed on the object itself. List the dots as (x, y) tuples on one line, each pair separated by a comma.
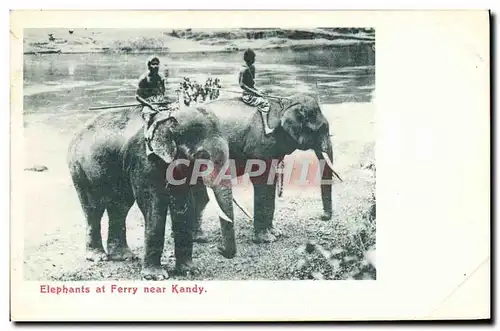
[(126, 156)]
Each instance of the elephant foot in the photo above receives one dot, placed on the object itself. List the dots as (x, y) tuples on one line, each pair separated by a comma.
[(227, 253), (199, 237), (186, 269), (154, 273), (96, 255), (264, 237), (326, 216), (120, 253)]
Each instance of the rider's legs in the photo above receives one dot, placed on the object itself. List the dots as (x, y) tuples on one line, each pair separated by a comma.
[(263, 107)]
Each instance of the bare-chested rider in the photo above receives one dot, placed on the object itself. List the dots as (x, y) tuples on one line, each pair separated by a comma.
[(252, 96), (151, 86)]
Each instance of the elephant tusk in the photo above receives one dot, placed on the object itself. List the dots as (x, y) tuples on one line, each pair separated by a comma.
[(330, 164), (222, 214), (243, 209)]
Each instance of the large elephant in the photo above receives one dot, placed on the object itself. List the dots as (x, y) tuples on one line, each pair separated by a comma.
[(127, 155), (299, 124)]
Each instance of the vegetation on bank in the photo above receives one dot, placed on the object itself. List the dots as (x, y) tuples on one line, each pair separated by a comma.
[(347, 249), (40, 41)]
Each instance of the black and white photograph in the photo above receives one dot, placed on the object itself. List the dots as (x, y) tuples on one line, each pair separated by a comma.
[(249, 165), (285, 114)]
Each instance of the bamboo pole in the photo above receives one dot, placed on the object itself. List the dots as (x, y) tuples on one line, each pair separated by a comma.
[(266, 95), (161, 103), (124, 106)]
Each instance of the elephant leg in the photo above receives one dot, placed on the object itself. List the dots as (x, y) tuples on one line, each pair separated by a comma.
[(93, 208), (264, 204), (118, 249), (183, 217), (93, 212), (200, 198), (154, 209)]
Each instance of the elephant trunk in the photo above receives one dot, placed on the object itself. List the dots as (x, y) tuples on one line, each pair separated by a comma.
[(325, 152), (224, 197)]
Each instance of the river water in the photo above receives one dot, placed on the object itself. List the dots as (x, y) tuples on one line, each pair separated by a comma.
[(59, 88)]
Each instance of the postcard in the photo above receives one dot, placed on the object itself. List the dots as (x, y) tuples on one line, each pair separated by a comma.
[(222, 165)]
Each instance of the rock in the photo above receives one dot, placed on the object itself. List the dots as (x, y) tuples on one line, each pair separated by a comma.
[(370, 165), (37, 167)]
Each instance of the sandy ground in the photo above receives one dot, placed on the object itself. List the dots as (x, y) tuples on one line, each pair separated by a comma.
[(54, 226)]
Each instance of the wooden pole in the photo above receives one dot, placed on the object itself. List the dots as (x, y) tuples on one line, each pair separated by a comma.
[(145, 103), (114, 106), (124, 106), (266, 95)]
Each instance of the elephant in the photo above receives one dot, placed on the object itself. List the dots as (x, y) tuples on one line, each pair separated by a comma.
[(299, 124), (124, 156)]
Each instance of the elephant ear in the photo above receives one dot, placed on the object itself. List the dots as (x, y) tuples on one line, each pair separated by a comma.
[(159, 135), (292, 121)]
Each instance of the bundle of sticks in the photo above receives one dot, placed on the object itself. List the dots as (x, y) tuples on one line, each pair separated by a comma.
[(192, 91)]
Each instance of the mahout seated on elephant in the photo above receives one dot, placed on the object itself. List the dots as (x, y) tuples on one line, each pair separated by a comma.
[(250, 94), (151, 86), (298, 124), (111, 169)]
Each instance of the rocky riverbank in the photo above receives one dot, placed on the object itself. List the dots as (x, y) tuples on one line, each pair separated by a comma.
[(43, 41)]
